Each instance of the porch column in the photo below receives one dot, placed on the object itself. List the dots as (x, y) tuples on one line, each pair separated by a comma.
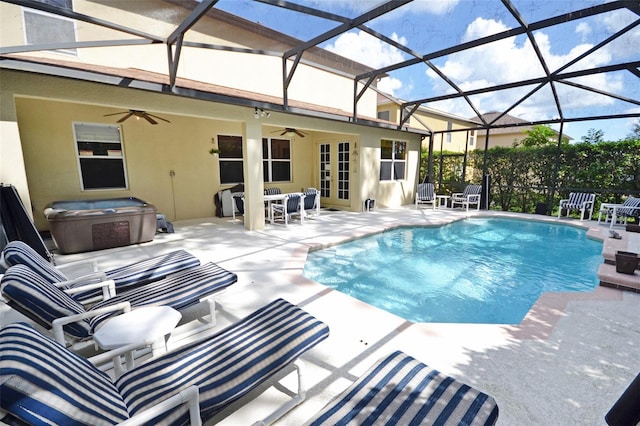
[(253, 177)]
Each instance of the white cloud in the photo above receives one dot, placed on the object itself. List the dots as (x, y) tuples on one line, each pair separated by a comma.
[(367, 49), (583, 29), (510, 60), (439, 7), (390, 85)]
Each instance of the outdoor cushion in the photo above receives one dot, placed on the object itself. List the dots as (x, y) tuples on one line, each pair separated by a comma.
[(35, 297), (32, 295), (176, 291), (400, 390), (138, 273), (41, 382), (228, 365)]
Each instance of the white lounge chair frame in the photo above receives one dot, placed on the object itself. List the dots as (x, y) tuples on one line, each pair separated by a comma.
[(581, 201)]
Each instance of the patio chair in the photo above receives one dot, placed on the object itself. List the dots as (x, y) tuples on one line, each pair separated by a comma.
[(399, 389), (43, 382), (124, 277), (581, 201), (425, 194), (272, 191), (237, 206), (56, 308), (470, 195), (630, 208), (292, 205), (311, 202)]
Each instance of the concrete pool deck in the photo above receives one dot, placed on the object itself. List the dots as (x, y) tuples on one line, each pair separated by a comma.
[(565, 364)]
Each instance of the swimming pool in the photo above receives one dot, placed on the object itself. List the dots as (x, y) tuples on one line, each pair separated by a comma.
[(470, 271)]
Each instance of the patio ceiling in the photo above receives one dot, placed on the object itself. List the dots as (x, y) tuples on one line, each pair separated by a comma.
[(546, 62)]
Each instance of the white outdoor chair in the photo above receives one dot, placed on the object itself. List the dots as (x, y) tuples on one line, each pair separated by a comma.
[(425, 194), (292, 205), (581, 201), (470, 195)]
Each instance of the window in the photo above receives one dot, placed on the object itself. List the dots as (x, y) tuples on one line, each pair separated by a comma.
[(231, 159), (276, 154), (393, 160), (384, 115), (42, 28), (449, 127), (472, 138), (100, 156)]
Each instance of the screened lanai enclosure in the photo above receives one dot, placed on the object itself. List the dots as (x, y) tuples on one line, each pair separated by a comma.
[(569, 65)]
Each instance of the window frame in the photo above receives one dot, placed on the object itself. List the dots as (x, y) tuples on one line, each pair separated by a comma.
[(268, 160), (82, 156), (222, 159), (34, 12), (393, 161)]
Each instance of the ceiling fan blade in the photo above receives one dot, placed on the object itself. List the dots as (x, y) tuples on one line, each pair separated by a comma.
[(116, 113), (129, 114), (148, 118), (299, 133), (159, 118), (284, 132)]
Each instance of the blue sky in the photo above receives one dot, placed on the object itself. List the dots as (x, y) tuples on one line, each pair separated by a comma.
[(426, 26)]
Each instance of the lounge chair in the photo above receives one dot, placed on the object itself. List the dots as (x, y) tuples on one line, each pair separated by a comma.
[(42, 382), (124, 277), (55, 308), (291, 205), (400, 390), (470, 195), (311, 203), (425, 194), (626, 410), (581, 201), (630, 208)]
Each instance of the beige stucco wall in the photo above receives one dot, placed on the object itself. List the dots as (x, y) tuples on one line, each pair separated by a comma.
[(38, 113), (251, 72), (422, 119), (504, 139)]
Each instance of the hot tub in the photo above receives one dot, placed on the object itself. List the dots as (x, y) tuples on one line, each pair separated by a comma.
[(86, 225)]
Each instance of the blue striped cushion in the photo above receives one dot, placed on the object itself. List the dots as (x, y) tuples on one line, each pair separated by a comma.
[(42, 383), (146, 271), (400, 390), (227, 365), (426, 192), (471, 190), (19, 253), (272, 191), (153, 269), (577, 200), (29, 293), (630, 207), (177, 291)]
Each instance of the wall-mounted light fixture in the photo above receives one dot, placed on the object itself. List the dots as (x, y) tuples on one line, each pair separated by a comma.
[(259, 112)]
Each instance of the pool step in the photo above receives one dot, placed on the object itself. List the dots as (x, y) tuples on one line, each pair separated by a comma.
[(610, 278)]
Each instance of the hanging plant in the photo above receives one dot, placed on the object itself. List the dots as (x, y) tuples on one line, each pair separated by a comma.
[(214, 150)]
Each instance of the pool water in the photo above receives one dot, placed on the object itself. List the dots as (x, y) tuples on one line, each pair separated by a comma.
[(471, 271)]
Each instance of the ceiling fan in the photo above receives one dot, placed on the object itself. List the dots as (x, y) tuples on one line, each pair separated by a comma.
[(138, 114), (290, 132)]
